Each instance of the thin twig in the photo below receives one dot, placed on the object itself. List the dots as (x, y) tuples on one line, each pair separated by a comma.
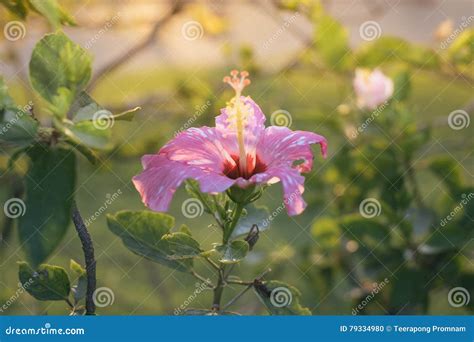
[(201, 278), (88, 249), (241, 293)]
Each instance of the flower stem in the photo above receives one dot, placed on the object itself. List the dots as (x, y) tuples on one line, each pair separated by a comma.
[(237, 213), (218, 290)]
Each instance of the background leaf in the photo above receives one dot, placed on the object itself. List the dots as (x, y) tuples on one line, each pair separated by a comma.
[(46, 283), (59, 68), (50, 183)]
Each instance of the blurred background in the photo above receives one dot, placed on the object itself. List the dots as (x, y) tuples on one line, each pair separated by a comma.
[(169, 58)]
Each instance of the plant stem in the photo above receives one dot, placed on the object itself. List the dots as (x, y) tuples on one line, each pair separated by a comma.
[(201, 278), (228, 231), (88, 249), (218, 290)]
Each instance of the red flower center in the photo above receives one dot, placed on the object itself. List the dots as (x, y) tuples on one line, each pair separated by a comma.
[(232, 170)]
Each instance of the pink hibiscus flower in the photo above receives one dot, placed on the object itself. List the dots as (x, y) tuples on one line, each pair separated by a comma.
[(372, 88), (239, 152)]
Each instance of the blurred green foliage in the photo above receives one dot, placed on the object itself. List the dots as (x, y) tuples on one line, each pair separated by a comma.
[(417, 170)]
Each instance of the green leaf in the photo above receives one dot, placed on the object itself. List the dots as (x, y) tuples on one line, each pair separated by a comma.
[(51, 10), (91, 156), (5, 98), (371, 232), (79, 290), (85, 108), (185, 229), (331, 39), (327, 234), (46, 283), (148, 234), (280, 298), (50, 183), (77, 268), (232, 252), (59, 69), (255, 215), (180, 246), (19, 7), (393, 49), (88, 134), (402, 86), (461, 51), (447, 170), (408, 290), (17, 127)]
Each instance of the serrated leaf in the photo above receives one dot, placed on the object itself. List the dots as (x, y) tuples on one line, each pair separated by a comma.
[(280, 298), (232, 252), (80, 289), (50, 183), (58, 65), (148, 234), (48, 282)]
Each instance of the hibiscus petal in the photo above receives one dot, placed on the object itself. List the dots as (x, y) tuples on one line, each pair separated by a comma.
[(200, 147), (161, 177), (282, 146), (253, 128), (293, 186)]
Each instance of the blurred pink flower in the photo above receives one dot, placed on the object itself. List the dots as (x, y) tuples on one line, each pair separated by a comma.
[(372, 88), (239, 151)]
